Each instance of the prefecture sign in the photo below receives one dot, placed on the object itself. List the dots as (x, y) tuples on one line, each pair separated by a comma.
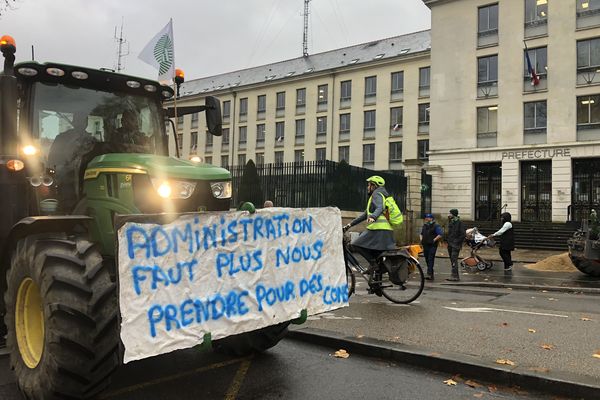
[(224, 274), (535, 154)]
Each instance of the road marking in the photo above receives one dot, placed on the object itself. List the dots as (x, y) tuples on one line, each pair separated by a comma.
[(486, 310), (238, 380), (154, 382)]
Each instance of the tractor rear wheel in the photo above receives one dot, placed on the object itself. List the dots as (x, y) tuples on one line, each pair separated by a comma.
[(61, 314), (251, 342), (587, 266)]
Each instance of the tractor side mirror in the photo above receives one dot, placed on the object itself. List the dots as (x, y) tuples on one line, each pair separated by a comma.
[(213, 116)]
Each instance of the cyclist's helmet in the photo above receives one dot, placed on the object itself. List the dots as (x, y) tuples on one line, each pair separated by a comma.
[(377, 180)]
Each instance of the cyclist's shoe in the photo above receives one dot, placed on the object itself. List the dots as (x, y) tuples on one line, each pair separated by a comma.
[(429, 277)]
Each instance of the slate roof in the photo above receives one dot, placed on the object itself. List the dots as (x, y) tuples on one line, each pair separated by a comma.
[(398, 46)]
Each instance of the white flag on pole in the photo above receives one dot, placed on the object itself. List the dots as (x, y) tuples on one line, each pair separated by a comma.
[(160, 53)]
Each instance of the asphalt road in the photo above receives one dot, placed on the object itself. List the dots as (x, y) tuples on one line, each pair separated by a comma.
[(292, 370), (488, 323)]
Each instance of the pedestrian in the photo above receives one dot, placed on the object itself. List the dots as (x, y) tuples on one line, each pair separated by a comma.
[(431, 234), (507, 240), (456, 237), (268, 204), (379, 235)]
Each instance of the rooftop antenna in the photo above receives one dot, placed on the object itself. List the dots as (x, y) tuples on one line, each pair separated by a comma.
[(122, 48), (305, 35)]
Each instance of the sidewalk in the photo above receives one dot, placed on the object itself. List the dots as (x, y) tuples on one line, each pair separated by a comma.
[(527, 256)]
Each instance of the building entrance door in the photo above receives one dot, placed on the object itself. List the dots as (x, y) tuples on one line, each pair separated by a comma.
[(488, 191), (585, 191), (536, 191)]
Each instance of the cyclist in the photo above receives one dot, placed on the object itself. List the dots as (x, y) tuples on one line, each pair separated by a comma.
[(379, 235)]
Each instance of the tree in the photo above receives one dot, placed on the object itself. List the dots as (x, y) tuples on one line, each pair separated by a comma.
[(250, 185)]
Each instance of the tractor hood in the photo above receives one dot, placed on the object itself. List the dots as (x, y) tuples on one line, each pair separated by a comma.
[(153, 165)]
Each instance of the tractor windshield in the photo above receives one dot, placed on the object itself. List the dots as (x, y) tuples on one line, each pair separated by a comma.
[(115, 122)]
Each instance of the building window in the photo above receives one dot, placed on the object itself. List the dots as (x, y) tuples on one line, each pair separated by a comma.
[(344, 127), (300, 126), (588, 61), (180, 123), (344, 153), (396, 121), (487, 76), (487, 126), (397, 86), (243, 109), (243, 137), (299, 156), (209, 141), (368, 155), (193, 142), (369, 124), (395, 155), (424, 78), (260, 158), (208, 160), (261, 107), (588, 117), (194, 121), (322, 98), (320, 154), (279, 157), (224, 161), (423, 149), (345, 93), (260, 135), (588, 13), (539, 63), (423, 118), (279, 133), (225, 137), (536, 18), (280, 104), (300, 101), (241, 159), (487, 32), (370, 89), (321, 129), (534, 122), (226, 109), (180, 142)]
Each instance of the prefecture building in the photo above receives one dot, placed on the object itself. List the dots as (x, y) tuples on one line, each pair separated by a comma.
[(494, 133), (498, 140)]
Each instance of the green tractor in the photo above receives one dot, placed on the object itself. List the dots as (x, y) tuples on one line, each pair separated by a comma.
[(584, 246), (80, 148)]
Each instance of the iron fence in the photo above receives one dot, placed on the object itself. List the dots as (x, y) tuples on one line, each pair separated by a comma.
[(312, 184)]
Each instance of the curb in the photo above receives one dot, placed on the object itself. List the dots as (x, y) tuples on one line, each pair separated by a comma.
[(563, 289), (557, 383)]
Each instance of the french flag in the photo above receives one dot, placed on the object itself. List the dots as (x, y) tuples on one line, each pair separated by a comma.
[(535, 79)]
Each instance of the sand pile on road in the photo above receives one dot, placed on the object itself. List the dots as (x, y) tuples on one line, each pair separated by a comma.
[(556, 263)]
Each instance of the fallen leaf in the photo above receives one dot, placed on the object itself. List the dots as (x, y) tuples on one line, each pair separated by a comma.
[(492, 389), (504, 362), (472, 384), (544, 291), (531, 330), (596, 354), (360, 336), (505, 324), (457, 378), (585, 319), (341, 353), (478, 395), (450, 382), (509, 288), (552, 299), (547, 346)]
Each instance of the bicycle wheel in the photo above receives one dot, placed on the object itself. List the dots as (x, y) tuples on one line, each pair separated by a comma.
[(351, 279), (410, 290)]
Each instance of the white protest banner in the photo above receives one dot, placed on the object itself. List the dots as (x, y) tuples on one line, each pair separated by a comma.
[(226, 273)]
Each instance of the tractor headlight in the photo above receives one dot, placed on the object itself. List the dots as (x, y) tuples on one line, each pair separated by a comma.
[(172, 189), (221, 190)]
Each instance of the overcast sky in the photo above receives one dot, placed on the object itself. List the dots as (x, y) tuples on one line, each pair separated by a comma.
[(211, 37)]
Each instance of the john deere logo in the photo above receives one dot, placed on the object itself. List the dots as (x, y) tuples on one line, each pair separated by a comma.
[(163, 54)]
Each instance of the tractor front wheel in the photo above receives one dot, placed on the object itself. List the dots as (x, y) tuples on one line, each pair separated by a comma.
[(61, 314), (589, 267)]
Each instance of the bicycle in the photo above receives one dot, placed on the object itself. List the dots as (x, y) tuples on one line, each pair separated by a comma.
[(398, 276)]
